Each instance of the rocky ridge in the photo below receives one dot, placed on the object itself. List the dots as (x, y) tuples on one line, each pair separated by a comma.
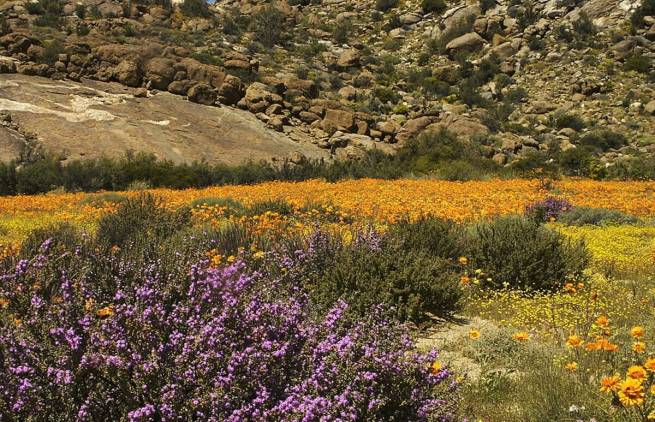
[(345, 77)]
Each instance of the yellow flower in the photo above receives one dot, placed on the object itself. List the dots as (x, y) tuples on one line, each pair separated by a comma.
[(631, 392), (521, 336), (602, 321), (652, 390), (258, 255), (474, 334), (651, 416), (568, 287), (609, 384), (650, 364), (636, 372), (105, 312), (464, 280), (436, 367), (574, 341), (639, 346), (571, 366), (463, 260), (637, 332)]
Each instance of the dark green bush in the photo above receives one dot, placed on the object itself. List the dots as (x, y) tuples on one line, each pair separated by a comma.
[(569, 120), (487, 5), (52, 51), (604, 140), (61, 237), (522, 254), (436, 6), (412, 282), (195, 8), (267, 24), (434, 236), (342, 31), (637, 62), (139, 220), (581, 216), (384, 5)]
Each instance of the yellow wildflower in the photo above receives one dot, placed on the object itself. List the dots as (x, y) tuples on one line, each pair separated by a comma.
[(631, 392), (521, 336), (636, 372), (609, 384), (571, 366), (639, 346), (574, 341), (474, 334), (637, 332)]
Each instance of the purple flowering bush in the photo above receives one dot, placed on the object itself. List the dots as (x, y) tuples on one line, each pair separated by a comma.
[(219, 344), (549, 209)]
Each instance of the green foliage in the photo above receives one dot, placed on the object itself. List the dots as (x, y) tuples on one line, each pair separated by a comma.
[(637, 62), (433, 6), (342, 31), (195, 8), (647, 8), (525, 255), (60, 237), (267, 25), (49, 11), (52, 51), (603, 140), (568, 120), (138, 220), (487, 5), (412, 281), (384, 5), (581, 216)]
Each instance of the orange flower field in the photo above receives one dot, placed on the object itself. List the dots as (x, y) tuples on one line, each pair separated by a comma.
[(380, 199)]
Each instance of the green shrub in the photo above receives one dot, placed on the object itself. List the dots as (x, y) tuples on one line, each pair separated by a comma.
[(577, 161), (60, 237), (435, 88), (384, 5), (195, 8), (581, 216), (436, 6), (342, 31), (584, 27), (434, 236), (52, 51), (412, 282), (569, 120), (604, 140), (140, 220), (647, 8), (522, 254), (267, 24), (637, 62), (487, 5)]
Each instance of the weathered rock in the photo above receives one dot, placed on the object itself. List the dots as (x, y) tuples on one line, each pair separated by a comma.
[(202, 94), (160, 72), (650, 107), (128, 73), (388, 127), (308, 88), (7, 65), (414, 127), (340, 119), (180, 87), (349, 58), (467, 42), (231, 91)]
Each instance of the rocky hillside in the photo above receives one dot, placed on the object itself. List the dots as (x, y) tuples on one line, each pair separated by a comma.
[(517, 79)]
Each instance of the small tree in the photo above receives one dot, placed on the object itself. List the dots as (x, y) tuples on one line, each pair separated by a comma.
[(267, 25)]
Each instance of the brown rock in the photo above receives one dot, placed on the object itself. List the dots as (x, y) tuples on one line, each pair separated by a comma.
[(341, 119), (414, 127), (128, 73), (349, 58), (231, 91), (160, 72), (202, 94)]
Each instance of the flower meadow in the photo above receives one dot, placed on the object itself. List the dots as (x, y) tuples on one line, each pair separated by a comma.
[(359, 300)]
